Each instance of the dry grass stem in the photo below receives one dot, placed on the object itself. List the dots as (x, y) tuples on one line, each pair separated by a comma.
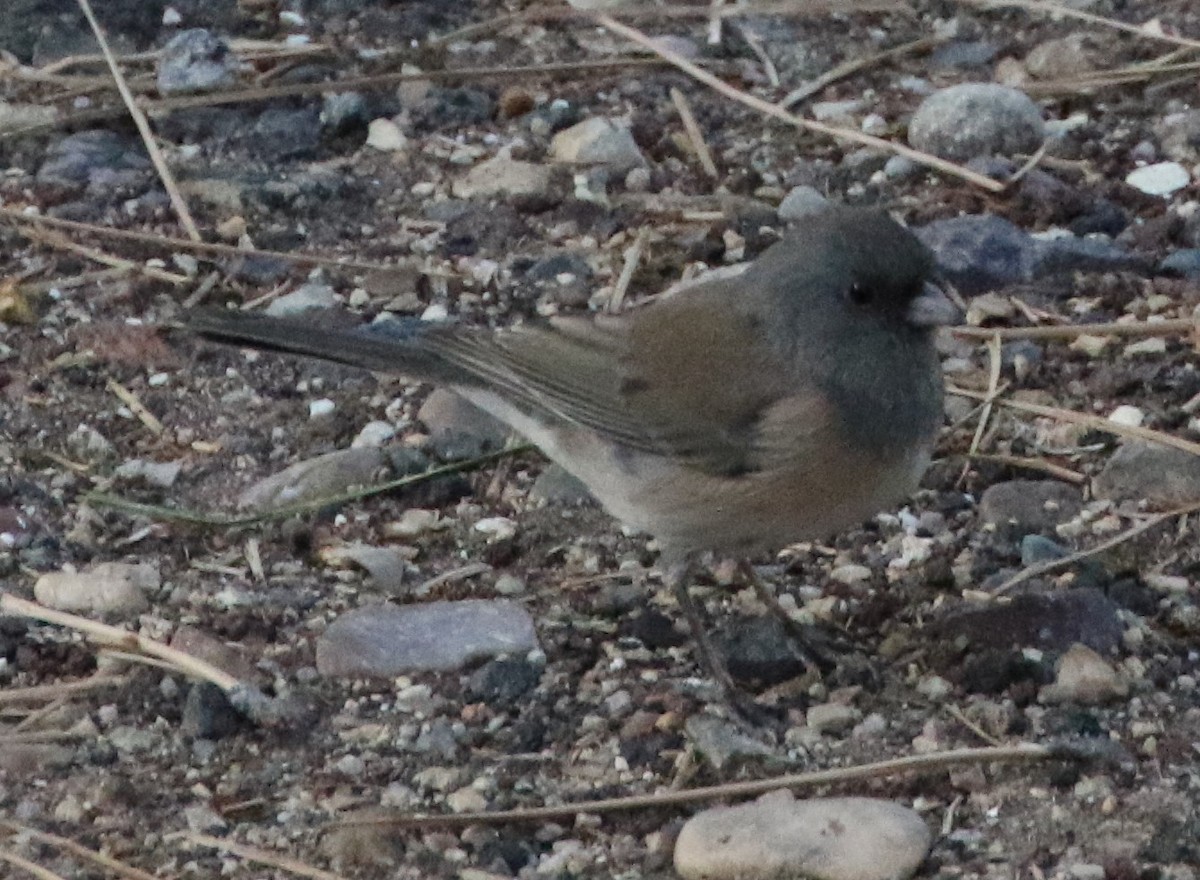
[(1104, 546), (127, 397), (1060, 11), (1098, 423), (855, 65), (117, 867), (43, 692), (766, 107), (695, 135), (114, 636), (143, 127), (751, 788), (633, 256), (256, 854), (1169, 327)]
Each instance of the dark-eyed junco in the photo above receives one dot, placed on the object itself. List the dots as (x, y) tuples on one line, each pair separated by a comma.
[(781, 405)]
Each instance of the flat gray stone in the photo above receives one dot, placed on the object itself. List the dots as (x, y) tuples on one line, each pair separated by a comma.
[(976, 119), (777, 837), (388, 640), (321, 477), (1159, 475)]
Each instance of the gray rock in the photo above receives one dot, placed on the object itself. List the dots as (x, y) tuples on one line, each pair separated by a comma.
[(1049, 621), (1183, 263), (162, 474), (89, 445), (282, 133), (17, 116), (1067, 253), (1061, 58), (1035, 549), (503, 176), (96, 161), (778, 837), (343, 111), (195, 61), (388, 640), (107, 588), (597, 141), (1083, 676), (1020, 507), (1159, 179), (25, 760), (1159, 475), (981, 252), (963, 54), (457, 429), (207, 714), (723, 743), (320, 477), (302, 299), (503, 682), (1179, 134), (976, 119), (800, 202), (385, 565), (556, 485)]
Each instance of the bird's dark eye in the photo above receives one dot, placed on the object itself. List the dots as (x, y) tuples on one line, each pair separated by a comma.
[(859, 294)]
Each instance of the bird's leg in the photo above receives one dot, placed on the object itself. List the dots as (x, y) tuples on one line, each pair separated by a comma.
[(678, 578), (812, 655)]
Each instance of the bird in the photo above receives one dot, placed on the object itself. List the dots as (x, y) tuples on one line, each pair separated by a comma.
[(740, 415)]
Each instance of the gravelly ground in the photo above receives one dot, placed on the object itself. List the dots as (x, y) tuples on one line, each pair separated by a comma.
[(608, 712)]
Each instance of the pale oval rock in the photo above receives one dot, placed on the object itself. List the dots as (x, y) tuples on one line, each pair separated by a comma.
[(778, 837), (108, 588)]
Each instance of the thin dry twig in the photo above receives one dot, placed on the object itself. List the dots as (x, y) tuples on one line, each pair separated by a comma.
[(1097, 423), (784, 8), (126, 267), (256, 854), (855, 65), (769, 109), (751, 788), (43, 692), (31, 867), (22, 220), (695, 135), (1034, 464), (1169, 327), (985, 412), (633, 256), (1060, 11), (96, 858), (958, 715), (244, 697), (127, 397), (143, 127), (1104, 546)]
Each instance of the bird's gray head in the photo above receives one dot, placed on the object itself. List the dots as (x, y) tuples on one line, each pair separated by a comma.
[(862, 266)]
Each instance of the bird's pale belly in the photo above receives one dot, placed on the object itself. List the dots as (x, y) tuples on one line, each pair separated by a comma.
[(687, 510)]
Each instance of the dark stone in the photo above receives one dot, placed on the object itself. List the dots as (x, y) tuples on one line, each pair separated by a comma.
[(1021, 507), (501, 683), (759, 649), (281, 133), (960, 55), (1048, 621), (653, 629), (207, 713), (1182, 264), (1101, 216), (981, 252), (453, 108)]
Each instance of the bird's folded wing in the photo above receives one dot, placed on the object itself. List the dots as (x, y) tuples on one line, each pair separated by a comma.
[(639, 380)]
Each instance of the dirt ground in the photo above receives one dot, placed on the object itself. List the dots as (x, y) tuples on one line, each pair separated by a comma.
[(921, 656)]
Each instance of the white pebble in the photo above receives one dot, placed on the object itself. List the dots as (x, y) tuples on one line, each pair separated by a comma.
[(1159, 179), (1127, 415), (319, 409)]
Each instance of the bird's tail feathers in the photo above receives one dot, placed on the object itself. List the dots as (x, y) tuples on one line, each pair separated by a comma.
[(405, 356)]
